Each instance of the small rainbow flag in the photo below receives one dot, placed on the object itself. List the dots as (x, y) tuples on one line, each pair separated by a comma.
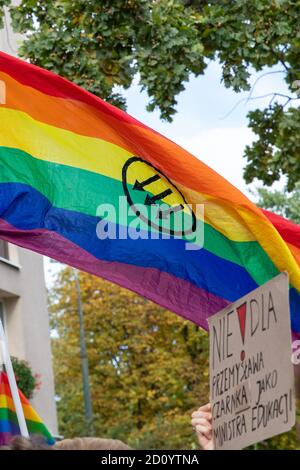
[(8, 419), (64, 153)]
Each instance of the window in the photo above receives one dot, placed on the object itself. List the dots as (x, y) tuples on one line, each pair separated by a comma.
[(3, 249)]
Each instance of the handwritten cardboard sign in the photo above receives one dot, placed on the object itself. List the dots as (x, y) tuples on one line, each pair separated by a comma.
[(251, 373)]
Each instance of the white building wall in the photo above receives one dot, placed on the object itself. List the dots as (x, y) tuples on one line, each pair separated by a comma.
[(23, 292), (9, 41)]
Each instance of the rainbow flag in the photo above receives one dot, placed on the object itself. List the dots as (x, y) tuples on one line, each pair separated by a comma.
[(8, 420), (65, 153)]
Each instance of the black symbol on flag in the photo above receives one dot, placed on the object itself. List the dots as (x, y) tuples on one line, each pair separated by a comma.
[(166, 189)]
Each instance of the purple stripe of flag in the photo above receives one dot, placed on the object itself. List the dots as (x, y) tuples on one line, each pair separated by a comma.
[(177, 295)]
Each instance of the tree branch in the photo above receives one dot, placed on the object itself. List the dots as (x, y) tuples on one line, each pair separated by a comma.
[(282, 95)]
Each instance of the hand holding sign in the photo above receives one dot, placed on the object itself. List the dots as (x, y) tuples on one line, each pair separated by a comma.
[(201, 422), (251, 373)]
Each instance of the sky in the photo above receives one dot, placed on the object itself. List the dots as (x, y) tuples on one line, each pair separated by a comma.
[(206, 123), (211, 123)]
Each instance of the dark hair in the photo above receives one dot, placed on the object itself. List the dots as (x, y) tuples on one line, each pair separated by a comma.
[(34, 442)]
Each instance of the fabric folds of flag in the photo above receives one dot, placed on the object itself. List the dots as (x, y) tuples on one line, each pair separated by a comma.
[(64, 153), (8, 419)]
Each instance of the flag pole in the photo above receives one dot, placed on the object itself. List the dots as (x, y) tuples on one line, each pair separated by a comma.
[(12, 383)]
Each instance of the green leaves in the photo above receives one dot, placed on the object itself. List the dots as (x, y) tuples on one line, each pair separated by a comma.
[(281, 202), (3, 3), (101, 45), (27, 382), (276, 152), (172, 42)]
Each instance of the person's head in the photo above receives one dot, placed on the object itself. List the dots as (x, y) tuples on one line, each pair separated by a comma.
[(91, 443), (24, 443)]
